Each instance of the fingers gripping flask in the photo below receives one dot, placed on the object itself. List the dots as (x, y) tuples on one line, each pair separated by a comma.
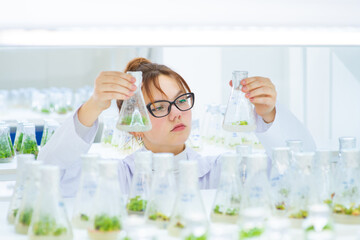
[(240, 115), (134, 116)]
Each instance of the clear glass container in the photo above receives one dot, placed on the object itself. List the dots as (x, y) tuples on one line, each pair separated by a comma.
[(322, 176), (188, 218), (108, 212), (85, 196), (226, 205), (319, 225), (243, 151), (346, 143), (163, 190), (29, 144), (346, 203), (50, 127), (108, 130), (303, 192), (240, 114), (214, 124), (19, 136), (141, 182), (6, 150), (31, 191), (278, 228), (134, 116), (19, 186), (280, 179), (49, 219), (252, 223), (295, 147), (257, 187), (194, 140), (8, 137)]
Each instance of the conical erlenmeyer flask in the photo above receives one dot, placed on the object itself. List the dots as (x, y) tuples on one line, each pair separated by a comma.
[(141, 182), (319, 225), (29, 144), (85, 195), (188, 216), (6, 154), (108, 209), (7, 130), (227, 201), (134, 116), (240, 114), (31, 190), (49, 219), (280, 178), (50, 127), (257, 186), (163, 190), (19, 186)]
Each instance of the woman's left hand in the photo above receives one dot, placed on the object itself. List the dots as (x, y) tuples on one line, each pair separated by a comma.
[(262, 93)]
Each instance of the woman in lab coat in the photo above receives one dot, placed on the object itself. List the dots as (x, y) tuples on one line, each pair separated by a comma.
[(170, 130)]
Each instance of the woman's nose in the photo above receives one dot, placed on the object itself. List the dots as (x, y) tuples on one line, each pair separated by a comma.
[(174, 113)]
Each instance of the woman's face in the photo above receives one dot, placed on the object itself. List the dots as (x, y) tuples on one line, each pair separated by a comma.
[(169, 133)]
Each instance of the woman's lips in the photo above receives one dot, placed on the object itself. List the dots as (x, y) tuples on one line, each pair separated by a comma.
[(178, 127)]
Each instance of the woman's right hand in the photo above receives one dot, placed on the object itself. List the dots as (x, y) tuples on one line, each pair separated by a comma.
[(108, 85)]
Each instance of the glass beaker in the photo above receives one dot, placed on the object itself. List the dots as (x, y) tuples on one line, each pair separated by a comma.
[(227, 200), (303, 192), (6, 150), (108, 130), (188, 216), (50, 127), (319, 226), (346, 203), (257, 187), (84, 198), (31, 191), (19, 186), (49, 219), (108, 210), (243, 151), (240, 114), (29, 144), (280, 178), (252, 223), (163, 190), (133, 115), (141, 182)]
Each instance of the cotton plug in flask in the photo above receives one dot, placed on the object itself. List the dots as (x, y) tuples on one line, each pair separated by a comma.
[(19, 187), (31, 191), (108, 212), (29, 144), (163, 190), (227, 201), (280, 179), (240, 114), (188, 218), (6, 150), (49, 219), (319, 225), (257, 187), (85, 195), (134, 116), (140, 185)]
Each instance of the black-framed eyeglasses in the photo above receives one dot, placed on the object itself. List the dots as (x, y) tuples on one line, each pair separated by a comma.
[(162, 108)]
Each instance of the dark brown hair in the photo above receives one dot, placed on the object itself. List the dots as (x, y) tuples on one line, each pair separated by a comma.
[(151, 72)]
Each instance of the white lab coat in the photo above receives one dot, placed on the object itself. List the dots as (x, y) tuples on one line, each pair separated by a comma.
[(73, 139)]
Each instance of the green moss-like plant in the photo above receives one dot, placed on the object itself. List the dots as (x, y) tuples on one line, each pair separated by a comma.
[(250, 233), (47, 226), (45, 110), (84, 217), (29, 146), (25, 216), (232, 211), (18, 142), (105, 223), (136, 204), (280, 206), (284, 192), (353, 211), (159, 216), (312, 228), (193, 237), (61, 110), (128, 119), (179, 225), (11, 146), (217, 210), (5, 150), (241, 123), (15, 211), (299, 215)]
